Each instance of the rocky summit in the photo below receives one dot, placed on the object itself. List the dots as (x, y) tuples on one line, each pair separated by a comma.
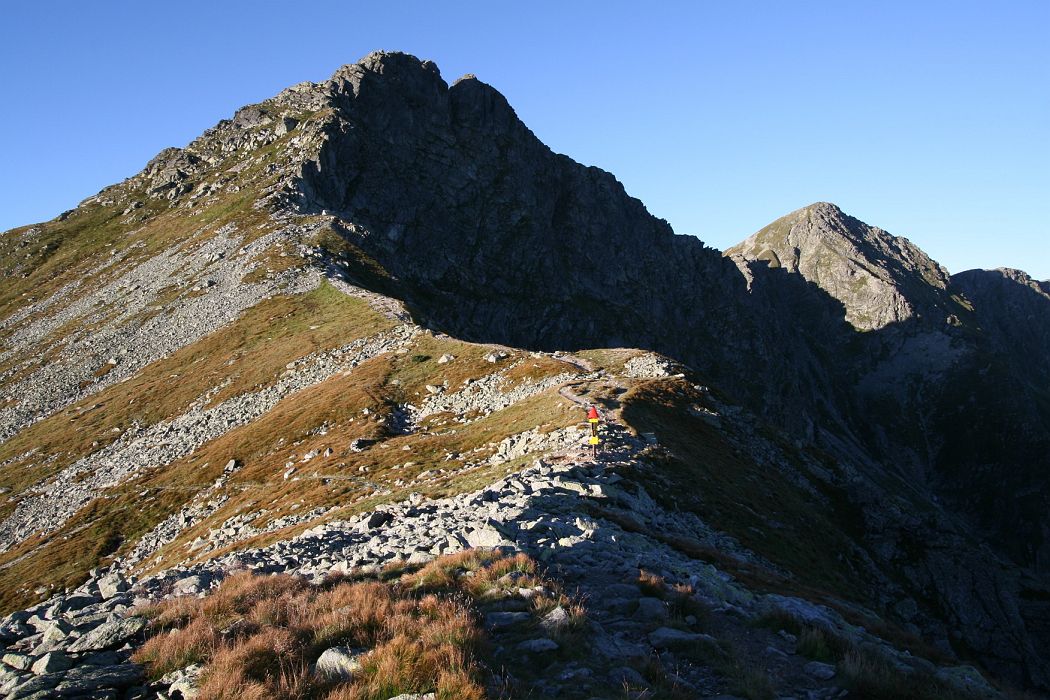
[(301, 410)]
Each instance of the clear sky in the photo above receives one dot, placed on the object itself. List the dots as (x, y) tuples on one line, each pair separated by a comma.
[(929, 119)]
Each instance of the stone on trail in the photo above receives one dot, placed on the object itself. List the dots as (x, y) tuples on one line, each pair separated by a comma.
[(487, 537), (183, 681), (191, 585), (555, 619), (501, 620), (110, 585), (378, 519), (651, 610), (22, 662), (55, 633), (538, 646), (84, 680)]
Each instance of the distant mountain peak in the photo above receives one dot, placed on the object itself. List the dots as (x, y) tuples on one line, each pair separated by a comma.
[(879, 278)]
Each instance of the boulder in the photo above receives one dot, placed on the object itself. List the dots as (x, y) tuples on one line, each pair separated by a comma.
[(338, 664), (625, 675), (184, 682), (538, 646), (378, 519), (109, 635), (22, 662), (85, 680), (34, 686), (819, 670), (191, 585), (110, 585), (487, 537), (651, 610), (502, 620), (555, 619), (967, 679), (51, 662), (669, 638), (55, 634), (78, 602)]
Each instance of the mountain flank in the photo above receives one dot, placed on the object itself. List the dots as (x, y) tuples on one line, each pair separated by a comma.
[(348, 337)]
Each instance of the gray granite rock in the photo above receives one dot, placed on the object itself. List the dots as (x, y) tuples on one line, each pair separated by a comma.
[(338, 664), (109, 635)]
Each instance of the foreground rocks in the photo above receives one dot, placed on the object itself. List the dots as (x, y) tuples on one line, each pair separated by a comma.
[(91, 659)]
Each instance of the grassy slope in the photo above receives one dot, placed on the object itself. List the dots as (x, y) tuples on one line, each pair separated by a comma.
[(329, 414), (252, 352)]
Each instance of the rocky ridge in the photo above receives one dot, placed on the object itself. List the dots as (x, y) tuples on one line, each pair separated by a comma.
[(69, 640)]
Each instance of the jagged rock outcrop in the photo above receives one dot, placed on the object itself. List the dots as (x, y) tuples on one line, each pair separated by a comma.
[(494, 235), (1015, 310)]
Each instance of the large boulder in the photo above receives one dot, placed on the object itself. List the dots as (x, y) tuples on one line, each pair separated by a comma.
[(52, 662), (109, 635), (111, 584)]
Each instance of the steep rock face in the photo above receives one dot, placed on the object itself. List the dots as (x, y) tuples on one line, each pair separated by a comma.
[(1015, 310), (945, 377), (1012, 383), (945, 392), (493, 237), (496, 236)]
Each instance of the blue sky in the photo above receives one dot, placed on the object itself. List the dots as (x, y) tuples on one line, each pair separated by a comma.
[(929, 119)]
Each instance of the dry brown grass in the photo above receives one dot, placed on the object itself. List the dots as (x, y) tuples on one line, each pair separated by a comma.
[(651, 584), (680, 597), (257, 636), (253, 351)]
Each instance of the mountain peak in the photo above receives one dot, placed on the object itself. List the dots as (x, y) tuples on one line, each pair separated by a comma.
[(880, 278), (388, 62), (825, 207)]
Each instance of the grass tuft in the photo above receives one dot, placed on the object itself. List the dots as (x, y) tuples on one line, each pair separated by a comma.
[(257, 636)]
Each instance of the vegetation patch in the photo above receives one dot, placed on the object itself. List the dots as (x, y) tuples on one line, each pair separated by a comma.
[(261, 636)]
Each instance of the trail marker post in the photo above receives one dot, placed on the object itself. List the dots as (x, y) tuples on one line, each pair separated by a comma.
[(592, 418)]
